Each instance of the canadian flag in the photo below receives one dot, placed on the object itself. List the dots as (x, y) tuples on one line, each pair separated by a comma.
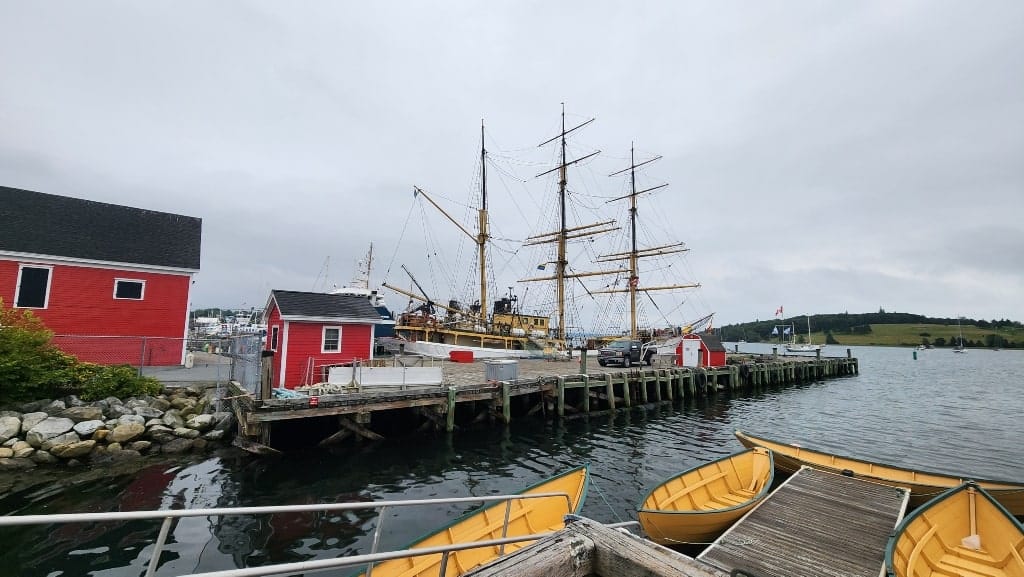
[(778, 313)]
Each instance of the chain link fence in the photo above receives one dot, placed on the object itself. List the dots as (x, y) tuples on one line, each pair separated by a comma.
[(174, 361)]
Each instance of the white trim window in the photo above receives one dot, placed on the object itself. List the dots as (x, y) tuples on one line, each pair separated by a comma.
[(275, 334), (33, 290), (331, 341), (129, 289)]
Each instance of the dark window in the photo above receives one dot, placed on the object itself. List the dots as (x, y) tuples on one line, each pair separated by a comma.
[(332, 340), (128, 289), (273, 338), (33, 287)]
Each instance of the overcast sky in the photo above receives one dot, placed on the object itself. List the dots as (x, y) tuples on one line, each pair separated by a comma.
[(821, 156)]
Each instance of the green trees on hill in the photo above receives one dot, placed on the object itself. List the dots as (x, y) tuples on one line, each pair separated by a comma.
[(865, 328)]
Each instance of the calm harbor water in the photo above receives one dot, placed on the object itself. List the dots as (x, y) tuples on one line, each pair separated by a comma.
[(942, 412)]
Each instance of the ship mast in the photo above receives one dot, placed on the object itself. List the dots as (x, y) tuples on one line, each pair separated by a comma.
[(562, 234), (482, 236), (635, 253)]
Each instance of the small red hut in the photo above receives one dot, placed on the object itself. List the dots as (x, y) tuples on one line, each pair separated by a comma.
[(700, 350), (310, 332)]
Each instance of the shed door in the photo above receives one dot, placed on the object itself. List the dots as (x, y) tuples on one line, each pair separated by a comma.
[(691, 353)]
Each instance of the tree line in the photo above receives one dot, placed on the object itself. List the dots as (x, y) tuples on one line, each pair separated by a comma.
[(860, 324)]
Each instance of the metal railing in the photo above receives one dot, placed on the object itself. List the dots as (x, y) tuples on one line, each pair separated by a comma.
[(168, 517)]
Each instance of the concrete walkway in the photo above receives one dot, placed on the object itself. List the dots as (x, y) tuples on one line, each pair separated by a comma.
[(207, 368)]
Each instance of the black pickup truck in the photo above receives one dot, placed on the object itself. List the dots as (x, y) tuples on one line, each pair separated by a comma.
[(625, 352)]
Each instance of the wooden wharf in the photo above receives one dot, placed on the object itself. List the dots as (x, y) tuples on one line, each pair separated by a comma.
[(816, 524), (465, 398)]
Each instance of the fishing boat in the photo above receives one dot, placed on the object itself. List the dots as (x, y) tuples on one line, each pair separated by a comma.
[(962, 532), (543, 508), (808, 347), (697, 505), (922, 485)]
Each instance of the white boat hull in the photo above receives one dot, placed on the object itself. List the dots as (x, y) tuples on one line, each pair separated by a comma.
[(443, 351), (804, 348)]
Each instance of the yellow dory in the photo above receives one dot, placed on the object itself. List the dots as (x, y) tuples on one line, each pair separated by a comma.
[(697, 505), (962, 532), (526, 516), (922, 485)]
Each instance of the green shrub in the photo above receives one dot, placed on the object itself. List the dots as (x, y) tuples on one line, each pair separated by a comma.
[(121, 381), (28, 362), (31, 367)]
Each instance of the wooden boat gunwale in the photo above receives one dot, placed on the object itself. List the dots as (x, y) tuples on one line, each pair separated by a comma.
[(760, 494), (584, 469), (481, 509), (890, 546), (1011, 485)]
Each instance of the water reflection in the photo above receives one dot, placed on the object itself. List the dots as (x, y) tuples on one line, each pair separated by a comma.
[(944, 412)]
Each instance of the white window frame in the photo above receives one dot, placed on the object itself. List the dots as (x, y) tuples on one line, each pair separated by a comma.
[(323, 339), (49, 284), (275, 337), (142, 295)]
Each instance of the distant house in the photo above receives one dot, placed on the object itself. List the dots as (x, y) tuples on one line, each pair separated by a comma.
[(112, 282), (701, 350), (310, 332)]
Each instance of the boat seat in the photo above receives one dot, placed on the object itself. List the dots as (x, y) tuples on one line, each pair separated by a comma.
[(970, 568), (733, 498), (979, 555), (685, 492)]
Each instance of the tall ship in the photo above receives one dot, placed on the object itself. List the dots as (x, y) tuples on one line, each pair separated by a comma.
[(504, 327), (624, 291), (502, 330)]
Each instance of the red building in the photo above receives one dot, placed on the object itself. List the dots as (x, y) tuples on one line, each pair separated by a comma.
[(310, 332), (112, 282), (700, 350)]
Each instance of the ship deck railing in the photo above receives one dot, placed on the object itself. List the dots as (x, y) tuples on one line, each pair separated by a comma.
[(168, 516)]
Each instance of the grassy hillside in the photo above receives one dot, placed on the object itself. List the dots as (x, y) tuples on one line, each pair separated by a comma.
[(913, 335), (885, 329)]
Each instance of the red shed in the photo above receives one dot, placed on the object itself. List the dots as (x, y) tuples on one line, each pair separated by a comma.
[(112, 282), (700, 350), (309, 332)]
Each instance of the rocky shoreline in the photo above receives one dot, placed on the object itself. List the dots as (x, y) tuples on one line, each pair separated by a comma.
[(71, 432)]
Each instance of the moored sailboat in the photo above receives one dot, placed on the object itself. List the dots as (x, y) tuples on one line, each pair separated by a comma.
[(959, 347), (807, 347)]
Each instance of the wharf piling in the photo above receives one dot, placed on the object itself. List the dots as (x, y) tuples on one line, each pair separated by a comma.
[(464, 400)]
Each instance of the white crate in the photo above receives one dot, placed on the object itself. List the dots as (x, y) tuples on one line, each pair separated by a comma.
[(501, 370)]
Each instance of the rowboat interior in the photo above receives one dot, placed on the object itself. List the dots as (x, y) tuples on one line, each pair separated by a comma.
[(540, 509), (729, 483), (695, 506), (963, 533)]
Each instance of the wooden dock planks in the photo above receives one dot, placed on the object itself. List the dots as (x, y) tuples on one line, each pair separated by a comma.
[(815, 524)]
